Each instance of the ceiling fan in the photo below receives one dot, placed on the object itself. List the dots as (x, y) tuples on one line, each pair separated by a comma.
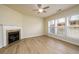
[(41, 9)]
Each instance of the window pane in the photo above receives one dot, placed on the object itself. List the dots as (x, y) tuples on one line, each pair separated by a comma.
[(60, 26), (73, 27), (75, 17), (51, 26)]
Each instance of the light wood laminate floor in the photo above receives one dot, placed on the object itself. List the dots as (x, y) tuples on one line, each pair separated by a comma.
[(40, 45)]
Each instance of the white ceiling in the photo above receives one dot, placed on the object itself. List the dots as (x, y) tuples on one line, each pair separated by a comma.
[(28, 8)]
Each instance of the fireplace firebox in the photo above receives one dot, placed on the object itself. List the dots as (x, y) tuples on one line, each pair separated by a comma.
[(13, 36)]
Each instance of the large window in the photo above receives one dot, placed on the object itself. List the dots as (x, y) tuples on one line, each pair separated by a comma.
[(73, 27), (67, 26), (56, 26)]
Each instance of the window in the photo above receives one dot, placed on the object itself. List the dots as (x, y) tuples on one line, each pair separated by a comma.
[(51, 26), (73, 27), (66, 26), (60, 26), (56, 26)]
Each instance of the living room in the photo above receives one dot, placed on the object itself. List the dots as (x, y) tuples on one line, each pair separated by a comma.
[(39, 28)]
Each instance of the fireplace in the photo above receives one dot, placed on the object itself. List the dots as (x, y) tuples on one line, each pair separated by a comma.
[(10, 34), (13, 36)]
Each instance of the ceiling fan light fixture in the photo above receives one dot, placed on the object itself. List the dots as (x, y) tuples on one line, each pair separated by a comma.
[(40, 10)]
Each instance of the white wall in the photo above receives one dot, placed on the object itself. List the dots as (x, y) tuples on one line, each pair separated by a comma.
[(9, 16), (32, 26), (1, 37)]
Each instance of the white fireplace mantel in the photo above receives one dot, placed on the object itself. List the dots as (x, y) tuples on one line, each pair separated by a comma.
[(3, 29)]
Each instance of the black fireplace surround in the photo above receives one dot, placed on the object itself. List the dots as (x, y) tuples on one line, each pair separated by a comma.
[(13, 36)]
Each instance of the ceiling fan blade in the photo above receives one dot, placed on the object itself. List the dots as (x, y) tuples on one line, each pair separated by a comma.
[(38, 12), (39, 5), (46, 7), (35, 10), (44, 11)]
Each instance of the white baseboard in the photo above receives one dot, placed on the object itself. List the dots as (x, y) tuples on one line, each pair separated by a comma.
[(33, 36)]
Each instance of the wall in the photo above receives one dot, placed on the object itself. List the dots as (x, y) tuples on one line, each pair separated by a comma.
[(71, 11), (1, 37), (32, 26), (9, 16)]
